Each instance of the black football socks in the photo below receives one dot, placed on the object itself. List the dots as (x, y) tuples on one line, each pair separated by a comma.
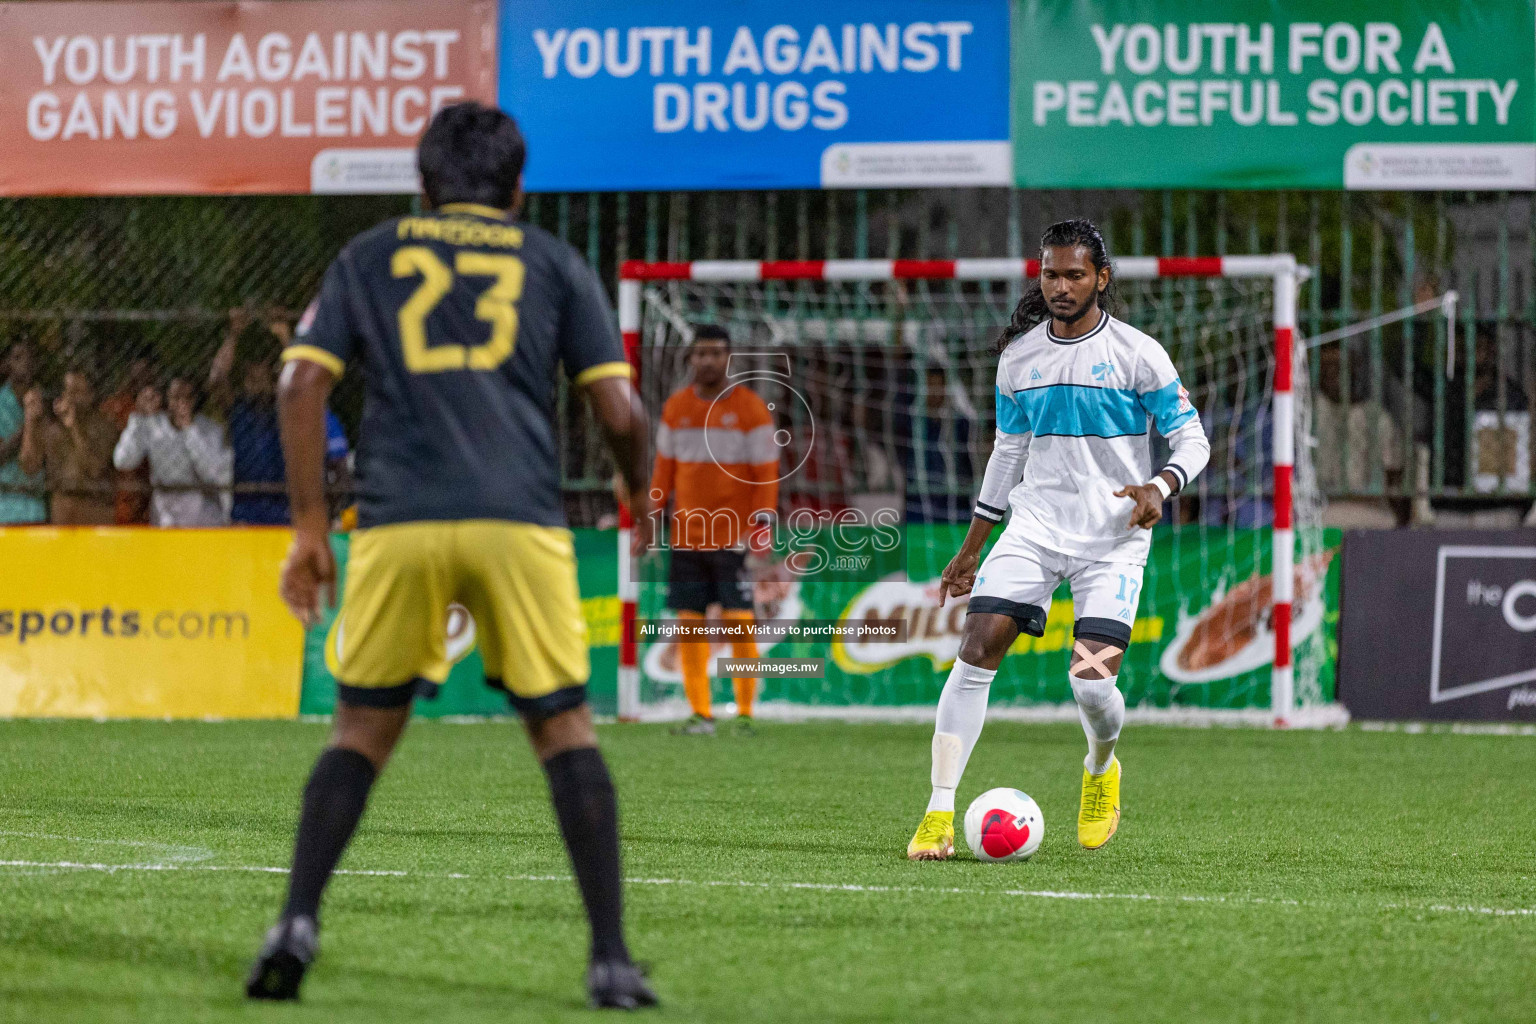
[(585, 805), (334, 801), (588, 812)]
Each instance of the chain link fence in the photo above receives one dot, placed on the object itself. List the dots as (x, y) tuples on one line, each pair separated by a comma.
[(1430, 420)]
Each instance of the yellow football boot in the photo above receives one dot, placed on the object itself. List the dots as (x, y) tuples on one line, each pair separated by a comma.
[(935, 838), (1099, 813)]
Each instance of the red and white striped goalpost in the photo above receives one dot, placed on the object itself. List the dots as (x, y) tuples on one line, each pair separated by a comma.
[(1281, 268)]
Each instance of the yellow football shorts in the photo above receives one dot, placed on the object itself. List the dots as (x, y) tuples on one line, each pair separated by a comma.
[(518, 582)]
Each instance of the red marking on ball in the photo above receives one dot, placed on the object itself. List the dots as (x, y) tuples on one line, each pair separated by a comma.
[(1000, 836)]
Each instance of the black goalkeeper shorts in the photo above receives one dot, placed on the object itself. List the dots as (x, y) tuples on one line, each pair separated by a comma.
[(697, 579)]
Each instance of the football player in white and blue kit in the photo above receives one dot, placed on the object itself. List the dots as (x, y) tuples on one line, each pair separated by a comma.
[(1077, 392)]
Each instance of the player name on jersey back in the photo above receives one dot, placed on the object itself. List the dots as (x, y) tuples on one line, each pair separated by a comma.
[(460, 319)]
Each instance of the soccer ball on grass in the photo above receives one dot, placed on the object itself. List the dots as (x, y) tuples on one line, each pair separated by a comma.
[(1004, 824)]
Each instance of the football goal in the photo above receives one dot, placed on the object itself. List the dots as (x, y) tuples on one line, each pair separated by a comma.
[(880, 377)]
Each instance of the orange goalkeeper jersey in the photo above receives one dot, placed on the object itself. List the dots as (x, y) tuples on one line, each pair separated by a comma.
[(718, 462)]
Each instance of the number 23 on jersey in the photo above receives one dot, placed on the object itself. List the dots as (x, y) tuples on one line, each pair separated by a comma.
[(496, 306)]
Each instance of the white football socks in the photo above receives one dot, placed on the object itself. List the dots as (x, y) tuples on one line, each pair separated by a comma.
[(1101, 709), (962, 713)]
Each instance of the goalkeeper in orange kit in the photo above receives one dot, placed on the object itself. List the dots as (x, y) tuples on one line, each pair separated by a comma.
[(716, 459)]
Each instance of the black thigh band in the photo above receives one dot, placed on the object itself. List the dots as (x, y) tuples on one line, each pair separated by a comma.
[(547, 706), (1030, 618), (386, 696), (1108, 631)]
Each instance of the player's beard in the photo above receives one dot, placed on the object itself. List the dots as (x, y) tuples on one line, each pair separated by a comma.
[(1082, 311)]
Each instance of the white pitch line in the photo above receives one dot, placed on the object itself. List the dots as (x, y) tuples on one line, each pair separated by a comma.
[(174, 851), (75, 865), (1047, 894), (1494, 911)]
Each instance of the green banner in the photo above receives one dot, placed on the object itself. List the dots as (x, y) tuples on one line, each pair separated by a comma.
[(465, 692), (1373, 94), (1201, 637)]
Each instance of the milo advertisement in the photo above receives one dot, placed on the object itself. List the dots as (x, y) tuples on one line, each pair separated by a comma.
[(1201, 639)]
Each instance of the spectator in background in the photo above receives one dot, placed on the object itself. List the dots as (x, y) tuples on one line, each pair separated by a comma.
[(1237, 482), (190, 465), (1500, 430), (262, 498), (20, 492), (817, 459), (936, 452), (73, 449), (1496, 380), (864, 416), (1354, 434), (131, 503), (880, 486)]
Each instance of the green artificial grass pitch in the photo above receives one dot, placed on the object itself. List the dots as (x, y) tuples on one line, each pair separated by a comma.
[(1256, 876)]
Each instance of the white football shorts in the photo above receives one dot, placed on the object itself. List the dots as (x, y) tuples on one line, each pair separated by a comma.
[(1018, 577)]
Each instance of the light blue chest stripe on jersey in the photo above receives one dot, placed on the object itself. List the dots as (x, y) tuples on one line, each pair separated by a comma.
[(1076, 410)]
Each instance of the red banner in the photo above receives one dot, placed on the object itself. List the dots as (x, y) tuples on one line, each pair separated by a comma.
[(138, 98)]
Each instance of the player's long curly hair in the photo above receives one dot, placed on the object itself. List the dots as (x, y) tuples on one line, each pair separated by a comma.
[(1032, 309)]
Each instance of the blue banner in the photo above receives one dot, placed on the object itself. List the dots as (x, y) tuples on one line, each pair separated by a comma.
[(687, 94)]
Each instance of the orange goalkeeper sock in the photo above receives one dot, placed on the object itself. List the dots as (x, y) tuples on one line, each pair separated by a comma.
[(745, 686), (694, 655)]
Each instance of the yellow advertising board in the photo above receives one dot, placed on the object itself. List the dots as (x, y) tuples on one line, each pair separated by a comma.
[(140, 623)]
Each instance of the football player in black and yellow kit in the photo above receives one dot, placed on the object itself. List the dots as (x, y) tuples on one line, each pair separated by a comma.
[(459, 318)]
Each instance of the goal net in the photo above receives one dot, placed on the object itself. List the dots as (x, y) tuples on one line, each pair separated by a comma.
[(880, 375)]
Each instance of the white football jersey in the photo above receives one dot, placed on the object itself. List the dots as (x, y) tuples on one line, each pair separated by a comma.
[(1073, 419)]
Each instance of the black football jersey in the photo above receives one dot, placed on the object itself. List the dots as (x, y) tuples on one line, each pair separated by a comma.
[(459, 318)]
